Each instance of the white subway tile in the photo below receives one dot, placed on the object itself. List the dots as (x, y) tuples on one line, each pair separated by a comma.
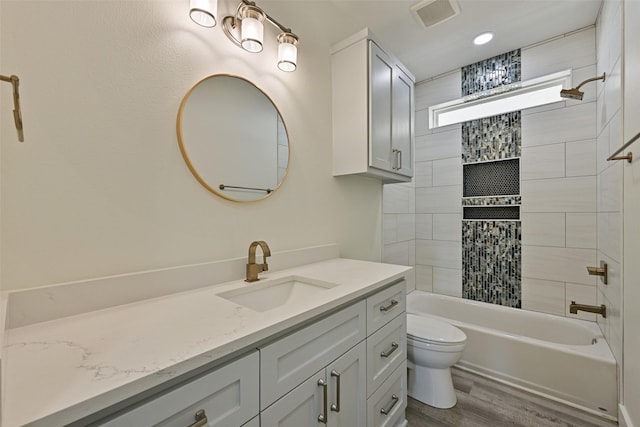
[(543, 295), (559, 195), (581, 294), (610, 234), (558, 264), (424, 278), (423, 174), (573, 51), (439, 253), (410, 277), (424, 226), (543, 229), (447, 281), (439, 199), (422, 122), (582, 230), (610, 188), (389, 228), (616, 139), (543, 161), (439, 90), (613, 92), (396, 253), (447, 227), (447, 171), (440, 145), (406, 227), (566, 124), (581, 158)]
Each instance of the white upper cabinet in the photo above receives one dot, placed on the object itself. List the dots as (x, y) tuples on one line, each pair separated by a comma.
[(373, 111)]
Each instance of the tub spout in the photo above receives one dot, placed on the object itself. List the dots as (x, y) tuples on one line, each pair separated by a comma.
[(601, 310)]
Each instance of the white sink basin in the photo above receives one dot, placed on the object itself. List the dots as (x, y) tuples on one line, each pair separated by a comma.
[(266, 295)]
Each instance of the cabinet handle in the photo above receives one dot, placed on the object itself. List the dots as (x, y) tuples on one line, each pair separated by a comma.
[(394, 347), (323, 417), (336, 406), (399, 159), (394, 166), (394, 400), (201, 419), (391, 305)]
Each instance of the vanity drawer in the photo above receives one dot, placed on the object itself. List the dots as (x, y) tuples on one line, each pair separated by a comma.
[(386, 407), (385, 305), (228, 396), (386, 350), (289, 361)]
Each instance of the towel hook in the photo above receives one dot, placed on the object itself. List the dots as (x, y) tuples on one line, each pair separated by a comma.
[(17, 115)]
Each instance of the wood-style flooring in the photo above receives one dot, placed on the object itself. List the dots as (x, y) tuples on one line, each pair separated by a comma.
[(482, 402)]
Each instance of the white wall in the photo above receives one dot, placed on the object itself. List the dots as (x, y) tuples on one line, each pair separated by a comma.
[(99, 186)]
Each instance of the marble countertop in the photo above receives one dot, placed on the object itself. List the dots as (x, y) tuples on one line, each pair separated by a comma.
[(62, 370)]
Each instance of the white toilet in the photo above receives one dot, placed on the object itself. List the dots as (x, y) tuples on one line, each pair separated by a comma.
[(433, 346)]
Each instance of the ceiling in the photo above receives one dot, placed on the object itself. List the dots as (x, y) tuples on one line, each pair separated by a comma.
[(428, 52)]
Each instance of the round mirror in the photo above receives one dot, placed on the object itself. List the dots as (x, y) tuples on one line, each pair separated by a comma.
[(233, 138)]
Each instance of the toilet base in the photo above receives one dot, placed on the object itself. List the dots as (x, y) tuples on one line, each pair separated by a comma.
[(433, 387)]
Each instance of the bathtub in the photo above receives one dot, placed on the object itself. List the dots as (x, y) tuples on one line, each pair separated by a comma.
[(567, 360)]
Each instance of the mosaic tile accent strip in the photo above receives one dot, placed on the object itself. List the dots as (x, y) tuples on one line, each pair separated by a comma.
[(492, 201), (491, 178), (491, 262), (491, 73), (492, 138), (491, 212)]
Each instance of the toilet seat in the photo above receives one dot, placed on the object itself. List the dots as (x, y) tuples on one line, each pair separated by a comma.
[(429, 330)]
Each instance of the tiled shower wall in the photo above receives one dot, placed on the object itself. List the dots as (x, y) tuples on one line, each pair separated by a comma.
[(609, 174), (558, 188)]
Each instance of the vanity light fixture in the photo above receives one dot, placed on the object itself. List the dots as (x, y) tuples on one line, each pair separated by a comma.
[(246, 29), (203, 12)]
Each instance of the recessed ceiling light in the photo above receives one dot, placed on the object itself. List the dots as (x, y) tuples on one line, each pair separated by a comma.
[(483, 38)]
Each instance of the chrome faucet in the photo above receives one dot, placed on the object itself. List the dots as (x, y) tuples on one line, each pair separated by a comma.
[(601, 310), (252, 268)]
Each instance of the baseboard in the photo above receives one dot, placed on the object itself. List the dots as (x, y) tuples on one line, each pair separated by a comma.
[(623, 417)]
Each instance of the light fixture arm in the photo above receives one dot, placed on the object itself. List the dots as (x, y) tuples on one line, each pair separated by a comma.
[(602, 77), (17, 114)]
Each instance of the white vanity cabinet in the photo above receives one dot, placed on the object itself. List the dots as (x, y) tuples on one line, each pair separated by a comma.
[(373, 111), (347, 369)]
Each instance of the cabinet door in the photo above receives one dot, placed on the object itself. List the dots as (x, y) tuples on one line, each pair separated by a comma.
[(348, 388), (380, 108), (301, 407), (402, 122)]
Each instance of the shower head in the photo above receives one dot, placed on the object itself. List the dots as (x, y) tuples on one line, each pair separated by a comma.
[(572, 94), (575, 93)]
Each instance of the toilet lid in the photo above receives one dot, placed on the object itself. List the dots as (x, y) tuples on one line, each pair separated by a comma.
[(423, 328)]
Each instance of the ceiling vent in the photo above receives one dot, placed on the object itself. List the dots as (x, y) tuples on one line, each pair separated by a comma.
[(432, 12)]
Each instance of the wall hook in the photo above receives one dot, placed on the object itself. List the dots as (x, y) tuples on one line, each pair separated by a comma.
[(17, 115)]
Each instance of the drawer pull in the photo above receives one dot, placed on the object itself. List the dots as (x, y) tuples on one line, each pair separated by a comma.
[(391, 305), (336, 406), (201, 419), (394, 347), (394, 400), (323, 417)]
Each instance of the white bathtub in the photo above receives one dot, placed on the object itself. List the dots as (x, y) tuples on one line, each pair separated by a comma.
[(564, 359)]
